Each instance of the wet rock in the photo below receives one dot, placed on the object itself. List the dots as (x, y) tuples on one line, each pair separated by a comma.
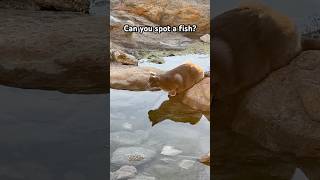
[(125, 172), (170, 151), (132, 156), (205, 38), (198, 97), (66, 52), (131, 77), (186, 164), (64, 5), (143, 177), (123, 58), (285, 106), (125, 138)]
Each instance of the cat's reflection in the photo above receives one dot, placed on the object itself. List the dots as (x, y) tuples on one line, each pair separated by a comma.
[(173, 109)]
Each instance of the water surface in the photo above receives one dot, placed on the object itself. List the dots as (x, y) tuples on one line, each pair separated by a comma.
[(182, 129)]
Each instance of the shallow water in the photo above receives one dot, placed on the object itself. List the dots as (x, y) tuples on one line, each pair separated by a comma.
[(135, 112), (48, 135)]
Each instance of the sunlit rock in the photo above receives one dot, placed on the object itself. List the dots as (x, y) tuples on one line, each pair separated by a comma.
[(198, 97)]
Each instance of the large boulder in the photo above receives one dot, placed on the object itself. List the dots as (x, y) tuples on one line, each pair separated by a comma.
[(173, 13), (133, 41), (282, 112), (60, 51)]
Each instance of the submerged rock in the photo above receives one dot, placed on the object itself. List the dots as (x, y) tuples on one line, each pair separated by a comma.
[(125, 172), (132, 156), (170, 151), (186, 164), (143, 177)]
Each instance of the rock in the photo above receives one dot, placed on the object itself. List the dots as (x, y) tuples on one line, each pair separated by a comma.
[(64, 5), (198, 97), (125, 172), (131, 77), (18, 4), (147, 41), (66, 52), (170, 151), (125, 138), (132, 156), (205, 38), (173, 13), (123, 58), (285, 106), (142, 177), (156, 59), (186, 164)]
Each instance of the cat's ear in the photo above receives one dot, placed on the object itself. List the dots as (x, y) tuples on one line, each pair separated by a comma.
[(172, 93)]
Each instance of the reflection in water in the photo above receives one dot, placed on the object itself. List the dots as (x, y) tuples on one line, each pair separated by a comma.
[(170, 148), (174, 110), (131, 128), (47, 135)]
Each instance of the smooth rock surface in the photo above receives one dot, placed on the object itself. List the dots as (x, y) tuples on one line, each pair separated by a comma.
[(62, 51), (285, 106), (125, 172), (198, 97)]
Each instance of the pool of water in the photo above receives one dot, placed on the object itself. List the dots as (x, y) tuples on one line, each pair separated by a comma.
[(47, 135), (143, 122)]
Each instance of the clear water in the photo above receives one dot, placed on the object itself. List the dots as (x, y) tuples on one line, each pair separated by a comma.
[(129, 113), (47, 135)]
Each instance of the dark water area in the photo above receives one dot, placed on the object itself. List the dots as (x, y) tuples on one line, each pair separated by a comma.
[(236, 157), (47, 135), (98, 7)]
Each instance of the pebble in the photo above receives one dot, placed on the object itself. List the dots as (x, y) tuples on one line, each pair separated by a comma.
[(170, 151), (132, 156)]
